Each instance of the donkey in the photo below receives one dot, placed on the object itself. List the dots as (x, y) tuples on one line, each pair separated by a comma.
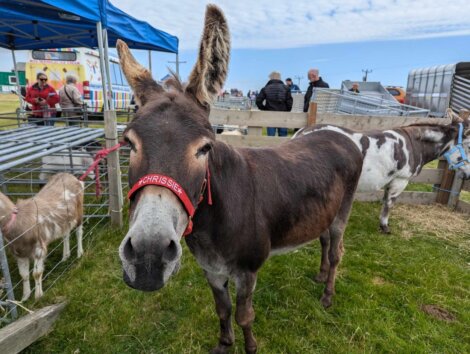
[(236, 206), (29, 226), (393, 157)]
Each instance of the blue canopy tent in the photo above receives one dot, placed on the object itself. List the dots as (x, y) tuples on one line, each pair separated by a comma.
[(54, 24)]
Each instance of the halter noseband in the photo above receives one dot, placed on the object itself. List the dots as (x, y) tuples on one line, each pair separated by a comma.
[(457, 148), (169, 183)]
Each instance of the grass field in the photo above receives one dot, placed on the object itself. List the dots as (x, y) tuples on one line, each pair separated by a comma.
[(404, 293), (8, 103)]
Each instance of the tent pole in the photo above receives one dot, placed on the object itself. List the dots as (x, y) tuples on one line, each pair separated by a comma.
[(111, 136), (108, 72), (18, 88), (150, 61), (177, 66), (99, 32)]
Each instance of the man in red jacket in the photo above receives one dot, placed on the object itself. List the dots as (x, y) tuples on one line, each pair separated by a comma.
[(43, 98)]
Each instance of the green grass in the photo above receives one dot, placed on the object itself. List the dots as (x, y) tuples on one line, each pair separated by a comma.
[(8, 103), (383, 282), (465, 196)]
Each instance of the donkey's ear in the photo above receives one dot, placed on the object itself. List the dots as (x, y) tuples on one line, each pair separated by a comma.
[(455, 119), (139, 78), (210, 71), (464, 114)]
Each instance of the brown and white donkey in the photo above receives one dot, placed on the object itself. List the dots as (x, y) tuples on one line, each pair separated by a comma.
[(236, 206), (392, 157)]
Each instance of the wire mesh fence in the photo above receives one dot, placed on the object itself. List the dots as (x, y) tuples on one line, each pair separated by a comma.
[(29, 155)]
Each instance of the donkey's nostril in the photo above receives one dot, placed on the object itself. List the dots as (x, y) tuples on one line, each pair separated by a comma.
[(128, 250), (171, 252)]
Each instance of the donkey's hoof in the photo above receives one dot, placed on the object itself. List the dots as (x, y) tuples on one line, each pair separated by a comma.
[(38, 294), (250, 350), (385, 229), (220, 349), (321, 277), (326, 301)]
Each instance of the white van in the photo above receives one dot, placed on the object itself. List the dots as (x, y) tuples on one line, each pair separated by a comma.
[(84, 63)]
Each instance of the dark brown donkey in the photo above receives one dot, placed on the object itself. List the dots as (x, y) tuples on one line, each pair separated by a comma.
[(251, 203)]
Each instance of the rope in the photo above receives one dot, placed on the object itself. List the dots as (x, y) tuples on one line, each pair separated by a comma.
[(100, 155), (446, 190)]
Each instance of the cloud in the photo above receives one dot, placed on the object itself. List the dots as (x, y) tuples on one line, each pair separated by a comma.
[(269, 24)]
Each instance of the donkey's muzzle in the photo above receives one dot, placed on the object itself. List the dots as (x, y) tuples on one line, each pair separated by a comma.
[(145, 279), (146, 260)]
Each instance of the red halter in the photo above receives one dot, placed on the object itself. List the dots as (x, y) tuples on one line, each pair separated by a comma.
[(175, 187)]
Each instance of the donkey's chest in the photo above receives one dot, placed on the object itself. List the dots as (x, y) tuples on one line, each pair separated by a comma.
[(208, 257)]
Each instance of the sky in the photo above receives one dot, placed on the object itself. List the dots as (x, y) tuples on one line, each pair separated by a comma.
[(339, 37)]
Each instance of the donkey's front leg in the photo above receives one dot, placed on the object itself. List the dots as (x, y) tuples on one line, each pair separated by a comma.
[(391, 193), (245, 314), (223, 306)]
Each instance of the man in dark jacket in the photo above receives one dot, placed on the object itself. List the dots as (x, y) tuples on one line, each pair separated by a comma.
[(315, 81), (275, 96)]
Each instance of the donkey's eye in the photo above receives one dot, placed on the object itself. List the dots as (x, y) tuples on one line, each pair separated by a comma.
[(204, 150)]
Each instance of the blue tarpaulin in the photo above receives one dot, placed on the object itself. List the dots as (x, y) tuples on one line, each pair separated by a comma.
[(43, 24)]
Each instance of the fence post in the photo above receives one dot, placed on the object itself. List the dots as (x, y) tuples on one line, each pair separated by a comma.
[(312, 114), (446, 183), (455, 191), (85, 114), (6, 276), (258, 131), (18, 120), (114, 171)]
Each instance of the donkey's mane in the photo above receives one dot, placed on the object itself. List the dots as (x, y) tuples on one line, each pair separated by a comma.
[(421, 125)]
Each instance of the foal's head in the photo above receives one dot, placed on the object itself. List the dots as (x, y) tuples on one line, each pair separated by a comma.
[(170, 140)]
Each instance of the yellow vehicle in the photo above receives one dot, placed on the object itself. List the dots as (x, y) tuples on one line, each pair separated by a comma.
[(398, 92), (83, 63)]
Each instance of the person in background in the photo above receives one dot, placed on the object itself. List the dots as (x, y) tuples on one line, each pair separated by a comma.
[(71, 100), (315, 81), (293, 87), (354, 88), (43, 99), (275, 96)]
